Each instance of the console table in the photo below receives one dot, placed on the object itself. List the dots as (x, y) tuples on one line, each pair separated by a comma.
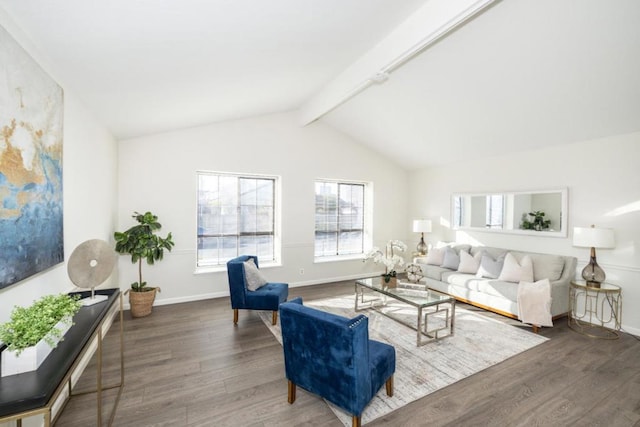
[(591, 309), (45, 391)]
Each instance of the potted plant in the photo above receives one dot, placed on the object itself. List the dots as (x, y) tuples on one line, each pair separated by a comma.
[(537, 223), (141, 242), (389, 259), (32, 332)]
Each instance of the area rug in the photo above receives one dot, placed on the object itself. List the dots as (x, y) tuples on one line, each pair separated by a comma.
[(477, 343)]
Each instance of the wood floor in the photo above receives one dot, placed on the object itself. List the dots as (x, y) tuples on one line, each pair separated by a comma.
[(187, 365)]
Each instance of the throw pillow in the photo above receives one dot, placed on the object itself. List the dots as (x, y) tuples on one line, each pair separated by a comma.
[(469, 264), (514, 271), (435, 256), (253, 276), (451, 259), (489, 267)]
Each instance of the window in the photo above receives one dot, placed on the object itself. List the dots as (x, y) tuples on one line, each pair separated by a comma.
[(340, 224), (495, 211), (236, 215), (457, 211)]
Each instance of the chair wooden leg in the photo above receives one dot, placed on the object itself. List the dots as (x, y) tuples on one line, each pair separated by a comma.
[(355, 421), (389, 386), (536, 329), (235, 316), (274, 317), (291, 392)]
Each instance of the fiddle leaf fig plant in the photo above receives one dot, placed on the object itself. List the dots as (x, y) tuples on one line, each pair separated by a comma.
[(538, 222), (141, 242), (28, 325)]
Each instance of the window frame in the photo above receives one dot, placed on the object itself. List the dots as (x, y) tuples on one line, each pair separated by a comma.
[(366, 226), (277, 219)]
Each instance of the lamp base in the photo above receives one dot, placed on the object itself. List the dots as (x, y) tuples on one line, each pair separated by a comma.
[(422, 247), (593, 274), (592, 284)]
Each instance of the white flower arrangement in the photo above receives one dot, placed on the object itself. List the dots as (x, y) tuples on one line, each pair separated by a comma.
[(389, 258)]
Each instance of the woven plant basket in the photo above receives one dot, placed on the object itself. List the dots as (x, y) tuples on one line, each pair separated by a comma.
[(141, 303)]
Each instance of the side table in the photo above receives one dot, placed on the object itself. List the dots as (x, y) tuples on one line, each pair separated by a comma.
[(595, 312)]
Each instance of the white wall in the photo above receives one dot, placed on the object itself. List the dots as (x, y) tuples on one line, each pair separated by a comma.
[(89, 187), (603, 179), (158, 173)]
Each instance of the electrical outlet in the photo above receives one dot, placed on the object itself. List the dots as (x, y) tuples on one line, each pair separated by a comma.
[(301, 271)]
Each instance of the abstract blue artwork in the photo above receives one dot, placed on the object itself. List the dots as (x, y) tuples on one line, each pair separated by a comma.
[(31, 114)]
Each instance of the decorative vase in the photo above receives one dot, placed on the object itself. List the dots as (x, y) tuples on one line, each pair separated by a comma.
[(389, 281), (32, 357)]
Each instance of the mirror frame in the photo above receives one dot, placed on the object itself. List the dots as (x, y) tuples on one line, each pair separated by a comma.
[(563, 232)]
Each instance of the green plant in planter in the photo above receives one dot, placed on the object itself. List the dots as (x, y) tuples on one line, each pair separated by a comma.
[(537, 222), (28, 325), (141, 242)]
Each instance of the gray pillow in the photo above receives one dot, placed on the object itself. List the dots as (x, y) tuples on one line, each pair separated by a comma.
[(451, 259), (253, 276), (489, 267)]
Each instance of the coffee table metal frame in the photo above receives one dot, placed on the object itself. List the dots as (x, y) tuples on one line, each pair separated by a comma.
[(415, 295)]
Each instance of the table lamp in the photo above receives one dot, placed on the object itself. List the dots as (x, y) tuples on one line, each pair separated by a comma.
[(421, 226), (592, 237)]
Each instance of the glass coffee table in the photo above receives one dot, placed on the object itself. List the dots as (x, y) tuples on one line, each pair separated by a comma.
[(373, 293)]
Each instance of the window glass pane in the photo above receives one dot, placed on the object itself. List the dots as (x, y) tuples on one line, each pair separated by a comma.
[(339, 218), (350, 242), (207, 249), (326, 244), (228, 249), (236, 215), (495, 211), (457, 211)]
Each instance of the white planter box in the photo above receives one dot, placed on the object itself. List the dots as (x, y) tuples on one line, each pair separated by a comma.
[(30, 358)]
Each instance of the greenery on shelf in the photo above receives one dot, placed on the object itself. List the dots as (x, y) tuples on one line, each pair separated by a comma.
[(28, 325), (141, 242), (537, 222)]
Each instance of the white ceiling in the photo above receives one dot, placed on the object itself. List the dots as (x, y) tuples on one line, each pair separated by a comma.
[(523, 74), (145, 66)]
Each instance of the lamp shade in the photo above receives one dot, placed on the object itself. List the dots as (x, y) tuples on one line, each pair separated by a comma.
[(421, 225), (591, 237)]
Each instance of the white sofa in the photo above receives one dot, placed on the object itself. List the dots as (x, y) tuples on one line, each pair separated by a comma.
[(501, 296)]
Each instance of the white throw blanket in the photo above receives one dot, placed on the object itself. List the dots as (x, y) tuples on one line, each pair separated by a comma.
[(534, 302)]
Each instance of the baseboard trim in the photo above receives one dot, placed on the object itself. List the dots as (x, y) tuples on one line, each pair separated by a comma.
[(223, 294)]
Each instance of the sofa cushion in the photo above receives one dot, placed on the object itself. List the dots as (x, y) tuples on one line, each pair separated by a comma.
[(451, 259), (468, 263), (455, 246), (499, 288), (433, 271), (490, 267), (547, 266), (515, 271), (462, 280)]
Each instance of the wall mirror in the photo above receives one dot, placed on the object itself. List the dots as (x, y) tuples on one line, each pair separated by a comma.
[(537, 213)]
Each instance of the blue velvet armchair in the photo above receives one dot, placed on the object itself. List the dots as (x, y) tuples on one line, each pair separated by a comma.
[(267, 297), (333, 357)]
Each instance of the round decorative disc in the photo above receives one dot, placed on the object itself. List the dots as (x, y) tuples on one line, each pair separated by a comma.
[(91, 263)]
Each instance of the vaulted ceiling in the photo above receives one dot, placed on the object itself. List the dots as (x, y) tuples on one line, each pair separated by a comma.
[(513, 75)]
